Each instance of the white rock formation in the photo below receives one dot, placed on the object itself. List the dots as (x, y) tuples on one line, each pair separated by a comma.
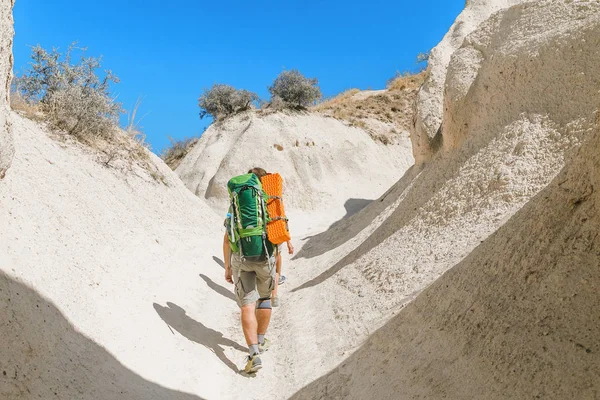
[(520, 117), (323, 161), (429, 110), (109, 288), (106, 278), (6, 64), (515, 319)]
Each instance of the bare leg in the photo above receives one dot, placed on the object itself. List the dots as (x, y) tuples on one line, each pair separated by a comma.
[(277, 274), (250, 324), (263, 316)]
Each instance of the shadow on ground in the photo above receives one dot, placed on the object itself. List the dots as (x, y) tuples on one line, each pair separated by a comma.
[(42, 356), (347, 228), (219, 261), (218, 288), (176, 318), (337, 234)]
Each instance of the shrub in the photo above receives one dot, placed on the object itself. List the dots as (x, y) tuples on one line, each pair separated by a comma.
[(277, 103), (173, 155), (221, 101), (18, 102), (72, 96), (294, 89), (406, 80), (422, 57)]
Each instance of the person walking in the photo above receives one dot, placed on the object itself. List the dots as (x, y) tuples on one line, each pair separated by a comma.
[(249, 260)]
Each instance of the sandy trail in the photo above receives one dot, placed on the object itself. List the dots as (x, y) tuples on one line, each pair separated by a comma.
[(130, 273), (299, 329)]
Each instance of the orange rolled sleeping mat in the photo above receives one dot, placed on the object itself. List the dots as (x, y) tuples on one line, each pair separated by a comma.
[(277, 228)]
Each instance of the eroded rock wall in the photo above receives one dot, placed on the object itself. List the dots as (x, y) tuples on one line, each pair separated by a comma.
[(534, 60), (430, 100), (7, 149), (510, 318), (515, 320)]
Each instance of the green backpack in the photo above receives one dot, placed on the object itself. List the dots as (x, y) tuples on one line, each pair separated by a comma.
[(247, 224)]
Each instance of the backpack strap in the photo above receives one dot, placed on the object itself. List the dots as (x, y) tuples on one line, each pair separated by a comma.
[(270, 258), (234, 237)]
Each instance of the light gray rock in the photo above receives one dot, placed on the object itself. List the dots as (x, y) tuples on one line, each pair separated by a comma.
[(534, 59), (510, 317), (323, 161), (7, 149), (428, 118)]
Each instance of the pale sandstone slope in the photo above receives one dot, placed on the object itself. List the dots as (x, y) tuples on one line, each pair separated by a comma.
[(516, 319), (6, 63), (108, 288), (430, 99), (324, 162), (521, 91)]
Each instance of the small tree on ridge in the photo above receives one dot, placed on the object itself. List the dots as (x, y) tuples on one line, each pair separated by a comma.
[(294, 89), (221, 101), (72, 95)]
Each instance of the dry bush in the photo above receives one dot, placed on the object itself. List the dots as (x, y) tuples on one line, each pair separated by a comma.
[(173, 155), (74, 100), (73, 97), (339, 100), (221, 101), (402, 81), (294, 89), (277, 103), (23, 107), (392, 107)]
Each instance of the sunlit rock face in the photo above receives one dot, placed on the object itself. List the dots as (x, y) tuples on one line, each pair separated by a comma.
[(430, 100), (6, 62)]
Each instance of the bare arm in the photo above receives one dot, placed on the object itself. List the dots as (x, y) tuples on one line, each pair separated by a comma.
[(290, 247), (226, 259)]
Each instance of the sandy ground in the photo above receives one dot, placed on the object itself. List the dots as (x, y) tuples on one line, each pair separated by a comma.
[(105, 252)]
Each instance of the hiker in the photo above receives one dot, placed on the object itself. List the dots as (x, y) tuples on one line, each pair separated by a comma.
[(250, 262)]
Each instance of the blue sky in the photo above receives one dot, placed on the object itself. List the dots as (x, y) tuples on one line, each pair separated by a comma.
[(168, 54)]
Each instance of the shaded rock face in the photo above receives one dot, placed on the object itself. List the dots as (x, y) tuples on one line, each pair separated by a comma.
[(43, 355), (513, 320), (429, 112), (7, 149)]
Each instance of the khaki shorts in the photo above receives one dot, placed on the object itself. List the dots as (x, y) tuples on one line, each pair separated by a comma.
[(253, 280)]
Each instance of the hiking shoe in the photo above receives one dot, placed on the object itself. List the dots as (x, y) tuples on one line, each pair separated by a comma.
[(281, 280), (253, 364), (275, 301), (264, 346)]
